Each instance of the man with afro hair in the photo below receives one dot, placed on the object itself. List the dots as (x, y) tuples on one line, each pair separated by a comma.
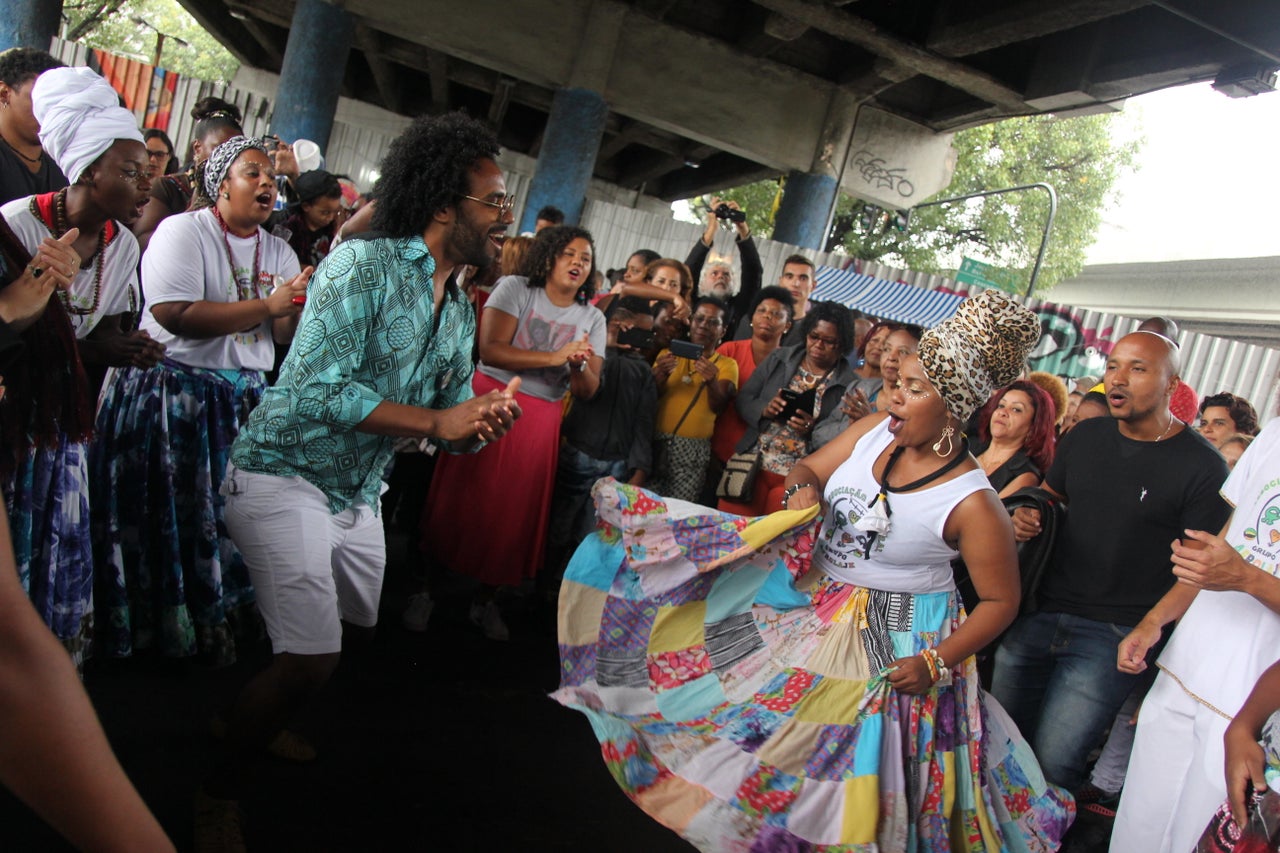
[(383, 351)]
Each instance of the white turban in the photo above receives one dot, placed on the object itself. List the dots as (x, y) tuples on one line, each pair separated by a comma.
[(80, 117)]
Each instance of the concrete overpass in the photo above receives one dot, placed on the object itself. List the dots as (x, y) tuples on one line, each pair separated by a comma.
[(679, 97)]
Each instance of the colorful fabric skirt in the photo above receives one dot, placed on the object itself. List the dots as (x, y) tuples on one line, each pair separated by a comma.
[(487, 513), (48, 504), (741, 699), (169, 576)]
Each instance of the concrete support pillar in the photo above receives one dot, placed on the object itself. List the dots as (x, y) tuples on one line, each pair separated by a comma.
[(571, 141), (567, 156), (315, 59), (29, 23), (809, 198)]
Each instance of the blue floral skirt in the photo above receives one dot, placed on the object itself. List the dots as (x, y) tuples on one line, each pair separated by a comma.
[(48, 504), (169, 576)]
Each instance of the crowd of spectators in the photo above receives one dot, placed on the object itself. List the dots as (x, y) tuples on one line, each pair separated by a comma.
[(142, 407)]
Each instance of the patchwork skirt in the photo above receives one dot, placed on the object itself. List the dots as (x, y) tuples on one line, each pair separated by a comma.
[(742, 699), (169, 576)]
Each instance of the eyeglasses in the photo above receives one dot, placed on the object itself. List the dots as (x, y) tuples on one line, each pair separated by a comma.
[(507, 204), (829, 343), (775, 314), (698, 320), (157, 155)]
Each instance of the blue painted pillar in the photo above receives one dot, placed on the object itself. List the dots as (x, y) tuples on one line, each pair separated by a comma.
[(311, 78), (567, 156), (802, 216), (29, 23)]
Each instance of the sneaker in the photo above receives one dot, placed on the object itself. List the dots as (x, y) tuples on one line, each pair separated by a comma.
[(218, 825), (1093, 799), (488, 618), (418, 613), (287, 745)]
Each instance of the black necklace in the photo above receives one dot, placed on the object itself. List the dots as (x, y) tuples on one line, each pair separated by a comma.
[(13, 148), (886, 489)]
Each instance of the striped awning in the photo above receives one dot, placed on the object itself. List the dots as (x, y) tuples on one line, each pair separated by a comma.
[(889, 300)]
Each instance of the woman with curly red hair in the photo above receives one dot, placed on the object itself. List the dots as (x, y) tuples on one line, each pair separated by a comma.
[(1018, 437)]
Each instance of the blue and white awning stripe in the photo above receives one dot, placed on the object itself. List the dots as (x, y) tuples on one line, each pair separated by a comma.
[(889, 300)]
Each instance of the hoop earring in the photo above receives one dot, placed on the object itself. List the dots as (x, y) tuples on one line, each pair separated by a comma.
[(946, 436), (226, 195)]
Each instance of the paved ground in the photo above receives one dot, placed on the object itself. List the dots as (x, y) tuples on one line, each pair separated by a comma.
[(440, 741)]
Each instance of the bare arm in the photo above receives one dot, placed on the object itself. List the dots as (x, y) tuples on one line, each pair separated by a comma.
[(980, 528), (53, 753), (1017, 484), (1245, 761), (498, 330), (204, 319)]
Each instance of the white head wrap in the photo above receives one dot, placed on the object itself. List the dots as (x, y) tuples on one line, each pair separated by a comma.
[(80, 117)]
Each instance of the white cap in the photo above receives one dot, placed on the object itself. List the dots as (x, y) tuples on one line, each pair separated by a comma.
[(308, 155)]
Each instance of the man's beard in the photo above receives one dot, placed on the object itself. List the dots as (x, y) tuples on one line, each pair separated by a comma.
[(470, 245)]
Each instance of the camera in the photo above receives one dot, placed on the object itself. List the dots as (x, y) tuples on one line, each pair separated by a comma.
[(724, 211)]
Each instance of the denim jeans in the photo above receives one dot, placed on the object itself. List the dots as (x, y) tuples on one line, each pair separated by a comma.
[(573, 516), (1056, 675)]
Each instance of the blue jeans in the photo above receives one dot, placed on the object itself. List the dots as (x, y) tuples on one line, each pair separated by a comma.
[(1056, 675), (573, 516)]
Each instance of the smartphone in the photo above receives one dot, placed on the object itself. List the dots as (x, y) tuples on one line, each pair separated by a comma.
[(685, 349), (636, 338), (270, 142), (796, 402)]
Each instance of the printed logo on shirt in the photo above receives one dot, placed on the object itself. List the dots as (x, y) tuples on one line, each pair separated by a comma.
[(1261, 547), (839, 543)]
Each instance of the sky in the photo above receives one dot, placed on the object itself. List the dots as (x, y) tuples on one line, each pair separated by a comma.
[(1208, 182)]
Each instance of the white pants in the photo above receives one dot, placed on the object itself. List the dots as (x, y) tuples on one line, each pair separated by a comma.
[(1176, 776), (311, 569)]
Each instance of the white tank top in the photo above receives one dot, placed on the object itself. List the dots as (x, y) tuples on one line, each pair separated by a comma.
[(912, 556)]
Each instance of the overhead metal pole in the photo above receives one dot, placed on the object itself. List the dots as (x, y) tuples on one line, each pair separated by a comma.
[(1048, 225)]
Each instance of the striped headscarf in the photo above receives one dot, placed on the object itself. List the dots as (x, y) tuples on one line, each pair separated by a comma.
[(215, 170)]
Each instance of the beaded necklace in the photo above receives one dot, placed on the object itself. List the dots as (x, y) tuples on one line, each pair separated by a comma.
[(253, 291), (60, 226)]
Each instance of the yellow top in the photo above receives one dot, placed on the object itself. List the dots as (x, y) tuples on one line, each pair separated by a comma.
[(674, 399)]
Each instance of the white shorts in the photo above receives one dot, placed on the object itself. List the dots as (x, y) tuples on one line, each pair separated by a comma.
[(309, 568)]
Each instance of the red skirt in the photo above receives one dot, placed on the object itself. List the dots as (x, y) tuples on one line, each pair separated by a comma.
[(486, 513)]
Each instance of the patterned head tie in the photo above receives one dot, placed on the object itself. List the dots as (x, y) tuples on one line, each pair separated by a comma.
[(983, 346), (215, 170)]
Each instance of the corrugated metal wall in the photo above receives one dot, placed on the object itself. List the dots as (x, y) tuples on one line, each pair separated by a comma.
[(1077, 340)]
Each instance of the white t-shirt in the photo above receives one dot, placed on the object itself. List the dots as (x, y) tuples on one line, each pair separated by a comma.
[(542, 326), (1226, 639), (119, 291), (186, 261)]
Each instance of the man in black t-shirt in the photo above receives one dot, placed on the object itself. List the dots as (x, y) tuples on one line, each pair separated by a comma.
[(1133, 482)]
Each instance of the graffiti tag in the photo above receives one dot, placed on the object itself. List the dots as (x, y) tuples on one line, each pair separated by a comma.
[(875, 172)]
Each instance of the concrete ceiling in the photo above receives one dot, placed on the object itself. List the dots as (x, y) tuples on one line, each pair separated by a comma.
[(706, 94)]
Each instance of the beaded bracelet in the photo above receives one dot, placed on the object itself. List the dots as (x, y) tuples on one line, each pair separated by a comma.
[(937, 667)]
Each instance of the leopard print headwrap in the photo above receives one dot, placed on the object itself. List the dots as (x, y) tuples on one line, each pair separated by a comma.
[(983, 346)]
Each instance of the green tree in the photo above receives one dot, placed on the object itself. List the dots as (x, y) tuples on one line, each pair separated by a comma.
[(1078, 157), (129, 28)]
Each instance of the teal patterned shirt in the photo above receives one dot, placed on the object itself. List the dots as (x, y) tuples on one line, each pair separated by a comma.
[(365, 337)]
